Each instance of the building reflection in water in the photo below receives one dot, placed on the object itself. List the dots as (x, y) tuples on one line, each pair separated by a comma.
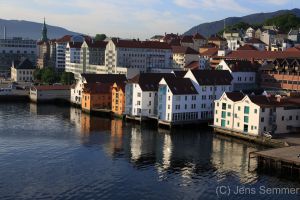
[(187, 153)]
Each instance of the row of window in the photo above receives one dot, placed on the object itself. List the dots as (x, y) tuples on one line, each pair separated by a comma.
[(183, 116)]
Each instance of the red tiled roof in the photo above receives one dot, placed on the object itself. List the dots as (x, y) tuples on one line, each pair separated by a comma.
[(193, 65), (210, 52), (98, 88), (52, 87), (141, 44), (66, 38), (216, 38), (184, 50), (247, 47), (260, 55), (255, 41)]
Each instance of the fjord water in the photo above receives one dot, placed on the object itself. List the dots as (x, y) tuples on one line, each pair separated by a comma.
[(50, 152)]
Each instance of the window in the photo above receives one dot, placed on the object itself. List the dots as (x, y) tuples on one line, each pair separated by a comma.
[(282, 118), (255, 111), (246, 110), (262, 119), (149, 103), (229, 106), (150, 94), (228, 114), (246, 119), (290, 117), (297, 117), (223, 106), (238, 124), (185, 97), (228, 122), (263, 110), (223, 114), (216, 112), (239, 108), (168, 106), (138, 103), (217, 120), (185, 106), (139, 94), (169, 98), (217, 104)]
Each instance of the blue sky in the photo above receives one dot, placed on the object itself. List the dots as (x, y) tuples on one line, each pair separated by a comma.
[(134, 18)]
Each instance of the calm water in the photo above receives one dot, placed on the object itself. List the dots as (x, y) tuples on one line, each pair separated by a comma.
[(49, 152)]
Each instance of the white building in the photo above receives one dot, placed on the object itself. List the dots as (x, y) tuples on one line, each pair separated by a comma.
[(141, 94), (255, 115), (250, 32), (183, 56), (177, 99), (258, 44), (141, 55), (50, 93), (22, 71), (210, 85), (243, 73), (76, 90)]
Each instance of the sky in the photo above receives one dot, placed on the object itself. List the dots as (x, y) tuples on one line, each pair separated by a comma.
[(134, 18)]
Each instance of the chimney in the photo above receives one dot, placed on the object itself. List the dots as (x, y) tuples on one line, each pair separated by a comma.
[(4, 36)]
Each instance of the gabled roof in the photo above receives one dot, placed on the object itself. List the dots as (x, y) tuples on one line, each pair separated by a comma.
[(180, 86), (184, 50), (98, 88), (212, 77), (76, 45), (193, 65), (24, 63), (216, 38), (210, 52), (140, 44), (235, 96), (149, 81), (255, 41), (180, 74), (105, 78), (242, 65), (187, 39), (96, 44), (198, 36)]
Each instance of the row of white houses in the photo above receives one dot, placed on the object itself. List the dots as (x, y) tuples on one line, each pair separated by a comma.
[(182, 96), (257, 114)]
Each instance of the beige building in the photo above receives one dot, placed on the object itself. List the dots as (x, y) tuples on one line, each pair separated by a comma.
[(22, 71), (46, 93), (257, 114), (183, 56)]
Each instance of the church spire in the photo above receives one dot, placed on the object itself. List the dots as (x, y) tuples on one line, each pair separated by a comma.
[(44, 32)]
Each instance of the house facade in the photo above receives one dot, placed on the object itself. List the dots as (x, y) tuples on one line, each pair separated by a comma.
[(182, 56), (22, 71)]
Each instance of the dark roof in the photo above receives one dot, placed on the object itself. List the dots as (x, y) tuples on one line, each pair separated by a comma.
[(105, 78), (193, 65), (180, 74), (150, 81), (187, 39), (180, 86), (235, 96), (199, 36), (24, 63), (52, 87), (98, 88), (210, 52), (184, 50), (247, 47), (66, 38), (96, 44), (242, 65), (255, 41), (140, 44), (212, 77), (216, 38), (250, 54), (76, 45)]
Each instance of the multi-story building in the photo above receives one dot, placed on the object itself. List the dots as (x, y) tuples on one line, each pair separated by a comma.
[(244, 73), (118, 99), (268, 37), (22, 71), (255, 115), (182, 56), (141, 94), (177, 99), (76, 90), (220, 42), (134, 54), (210, 85), (294, 35), (257, 43), (72, 55), (16, 48)]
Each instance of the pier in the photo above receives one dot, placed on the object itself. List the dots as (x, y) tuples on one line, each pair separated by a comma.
[(281, 161)]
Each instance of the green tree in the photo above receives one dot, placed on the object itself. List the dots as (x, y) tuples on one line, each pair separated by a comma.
[(100, 37), (67, 78), (49, 76), (37, 74), (285, 22)]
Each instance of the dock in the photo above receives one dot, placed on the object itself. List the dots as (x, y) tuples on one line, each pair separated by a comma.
[(281, 161)]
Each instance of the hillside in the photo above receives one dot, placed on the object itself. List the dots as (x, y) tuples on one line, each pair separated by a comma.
[(32, 30), (208, 29)]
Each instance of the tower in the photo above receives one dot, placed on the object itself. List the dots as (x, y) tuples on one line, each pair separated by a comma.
[(44, 32)]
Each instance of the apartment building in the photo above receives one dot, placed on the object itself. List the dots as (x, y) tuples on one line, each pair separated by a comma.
[(183, 56), (177, 99), (244, 73), (255, 115), (22, 71), (142, 56), (141, 94)]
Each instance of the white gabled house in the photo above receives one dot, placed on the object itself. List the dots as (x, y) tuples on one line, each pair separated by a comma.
[(210, 85), (244, 73), (141, 94), (177, 99), (256, 114)]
